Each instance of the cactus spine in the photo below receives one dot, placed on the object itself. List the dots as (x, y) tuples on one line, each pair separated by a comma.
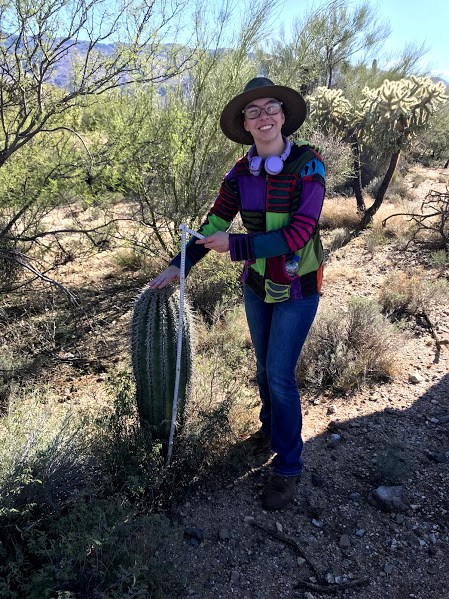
[(154, 331)]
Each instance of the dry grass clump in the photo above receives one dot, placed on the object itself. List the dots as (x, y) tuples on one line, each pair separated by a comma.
[(338, 270), (339, 213), (411, 292), (348, 348)]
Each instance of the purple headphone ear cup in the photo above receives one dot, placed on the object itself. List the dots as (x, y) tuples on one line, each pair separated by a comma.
[(255, 165), (274, 165)]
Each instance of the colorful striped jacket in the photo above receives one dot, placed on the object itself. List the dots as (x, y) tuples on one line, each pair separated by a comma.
[(280, 213)]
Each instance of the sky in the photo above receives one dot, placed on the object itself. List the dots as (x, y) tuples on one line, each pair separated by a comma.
[(409, 20)]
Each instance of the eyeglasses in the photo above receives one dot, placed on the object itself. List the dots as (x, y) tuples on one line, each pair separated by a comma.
[(252, 112)]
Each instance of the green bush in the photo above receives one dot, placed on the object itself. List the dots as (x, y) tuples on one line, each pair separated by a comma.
[(76, 497), (411, 292), (213, 285), (348, 347)]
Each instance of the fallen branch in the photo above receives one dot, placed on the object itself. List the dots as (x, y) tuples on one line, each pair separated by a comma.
[(438, 342), (291, 542), (331, 588), (323, 587)]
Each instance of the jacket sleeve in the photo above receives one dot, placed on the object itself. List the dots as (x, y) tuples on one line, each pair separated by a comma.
[(219, 218), (308, 198)]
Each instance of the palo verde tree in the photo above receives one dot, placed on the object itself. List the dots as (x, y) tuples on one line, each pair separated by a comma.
[(322, 43), (386, 118), (181, 154), (55, 54)]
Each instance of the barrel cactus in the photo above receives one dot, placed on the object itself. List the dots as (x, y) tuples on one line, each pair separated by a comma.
[(154, 334)]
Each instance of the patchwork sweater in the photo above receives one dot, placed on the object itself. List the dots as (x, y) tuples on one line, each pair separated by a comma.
[(280, 214)]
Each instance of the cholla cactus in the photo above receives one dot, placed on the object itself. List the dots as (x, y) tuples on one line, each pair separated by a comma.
[(154, 332), (385, 118), (331, 110), (396, 110)]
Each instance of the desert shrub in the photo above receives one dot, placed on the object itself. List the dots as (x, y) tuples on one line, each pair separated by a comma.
[(348, 347), (9, 267), (411, 292), (375, 238), (336, 239), (439, 258), (338, 160), (398, 187), (132, 260), (214, 283), (69, 523)]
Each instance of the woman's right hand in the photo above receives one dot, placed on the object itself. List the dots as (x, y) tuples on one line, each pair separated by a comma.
[(167, 276)]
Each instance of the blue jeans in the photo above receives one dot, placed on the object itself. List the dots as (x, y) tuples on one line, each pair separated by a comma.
[(278, 332)]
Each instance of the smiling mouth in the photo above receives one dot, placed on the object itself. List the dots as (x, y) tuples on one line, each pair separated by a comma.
[(265, 127)]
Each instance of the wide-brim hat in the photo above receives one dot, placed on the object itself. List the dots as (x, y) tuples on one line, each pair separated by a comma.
[(293, 104)]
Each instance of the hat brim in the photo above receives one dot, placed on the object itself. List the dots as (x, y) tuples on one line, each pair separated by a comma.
[(295, 109)]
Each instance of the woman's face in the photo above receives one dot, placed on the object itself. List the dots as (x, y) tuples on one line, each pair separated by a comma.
[(266, 127)]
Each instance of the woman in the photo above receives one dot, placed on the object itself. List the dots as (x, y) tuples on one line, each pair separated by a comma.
[(278, 188)]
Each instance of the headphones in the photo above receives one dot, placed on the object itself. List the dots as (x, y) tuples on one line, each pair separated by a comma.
[(273, 164)]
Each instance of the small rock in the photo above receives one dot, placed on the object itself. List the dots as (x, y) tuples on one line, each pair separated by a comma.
[(434, 420), (416, 378), (223, 534), (317, 523), (301, 561), (194, 535), (331, 410), (317, 481), (360, 532), (389, 499), (308, 595), (248, 519), (400, 519), (432, 538), (334, 440), (388, 569), (441, 457), (355, 424), (235, 577), (344, 542), (278, 526), (330, 578), (354, 496)]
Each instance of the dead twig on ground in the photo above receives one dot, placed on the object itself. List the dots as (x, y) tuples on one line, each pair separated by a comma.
[(323, 587), (332, 588), (291, 542)]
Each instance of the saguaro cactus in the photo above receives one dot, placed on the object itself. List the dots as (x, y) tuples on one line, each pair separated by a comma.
[(154, 332)]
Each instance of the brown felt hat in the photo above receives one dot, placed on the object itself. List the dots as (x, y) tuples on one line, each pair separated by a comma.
[(293, 104)]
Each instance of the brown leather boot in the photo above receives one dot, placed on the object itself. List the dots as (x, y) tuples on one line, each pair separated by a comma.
[(279, 492), (260, 442)]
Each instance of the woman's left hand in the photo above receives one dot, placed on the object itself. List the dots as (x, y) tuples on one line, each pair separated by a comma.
[(219, 242)]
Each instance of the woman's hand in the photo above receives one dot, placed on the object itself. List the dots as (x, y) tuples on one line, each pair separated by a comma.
[(167, 276), (218, 242)]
